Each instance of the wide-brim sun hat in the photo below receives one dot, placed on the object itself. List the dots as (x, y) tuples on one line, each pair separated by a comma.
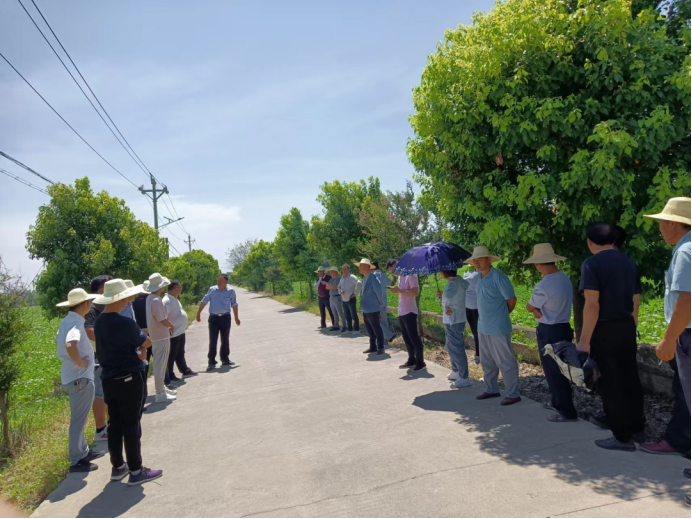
[(319, 269), (543, 253), (364, 261), (155, 283), (482, 252), (77, 296), (116, 290), (130, 284), (676, 210), (333, 269)]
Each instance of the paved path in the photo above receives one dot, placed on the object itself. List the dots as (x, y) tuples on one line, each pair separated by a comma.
[(307, 425)]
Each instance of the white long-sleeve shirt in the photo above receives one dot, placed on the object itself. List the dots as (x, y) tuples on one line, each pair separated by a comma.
[(176, 314)]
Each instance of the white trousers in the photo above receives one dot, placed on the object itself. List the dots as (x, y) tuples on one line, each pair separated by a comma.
[(160, 350)]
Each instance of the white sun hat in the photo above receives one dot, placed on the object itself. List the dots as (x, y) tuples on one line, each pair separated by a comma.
[(543, 253), (481, 252), (77, 296), (365, 261), (676, 210), (130, 284), (116, 290), (155, 283)]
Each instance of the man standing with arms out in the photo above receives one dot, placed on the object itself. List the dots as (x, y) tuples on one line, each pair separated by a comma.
[(347, 289), (611, 286), (177, 316), (472, 309), (551, 305), (160, 331), (408, 319), (389, 335), (335, 299), (118, 339), (221, 298), (77, 376), (496, 300), (99, 408), (674, 224), (323, 297), (370, 302)]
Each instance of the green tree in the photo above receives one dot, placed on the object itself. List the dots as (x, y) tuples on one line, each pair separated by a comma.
[(295, 258), (196, 270), (544, 116), (80, 235), (260, 267), (338, 233), (237, 254)]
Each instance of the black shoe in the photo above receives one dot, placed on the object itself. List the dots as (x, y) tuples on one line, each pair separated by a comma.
[(93, 455), (380, 352), (407, 365), (418, 369), (613, 444), (189, 373), (211, 367), (228, 363), (599, 421), (334, 329), (173, 378), (83, 466), (370, 351)]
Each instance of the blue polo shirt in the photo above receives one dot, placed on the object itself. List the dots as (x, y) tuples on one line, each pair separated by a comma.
[(220, 301), (492, 293), (677, 276)]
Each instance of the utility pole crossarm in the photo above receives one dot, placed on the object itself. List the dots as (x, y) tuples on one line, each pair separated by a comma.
[(155, 195), (189, 242)]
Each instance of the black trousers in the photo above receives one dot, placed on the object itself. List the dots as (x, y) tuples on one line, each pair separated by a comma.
[(324, 305), (560, 387), (372, 325), (351, 314), (614, 348), (219, 325), (125, 397), (414, 344), (472, 319), (177, 355), (678, 430)]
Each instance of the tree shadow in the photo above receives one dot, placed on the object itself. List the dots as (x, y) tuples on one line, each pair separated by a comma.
[(115, 499), (520, 435), (260, 297), (290, 310)]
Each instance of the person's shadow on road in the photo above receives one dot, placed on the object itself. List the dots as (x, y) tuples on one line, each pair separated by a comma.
[(115, 499)]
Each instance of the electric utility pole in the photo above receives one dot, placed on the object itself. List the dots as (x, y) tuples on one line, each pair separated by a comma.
[(189, 242), (155, 195)]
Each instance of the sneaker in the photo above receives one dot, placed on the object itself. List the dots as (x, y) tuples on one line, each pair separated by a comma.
[(453, 375), (83, 466), (101, 436), (189, 373), (659, 447), (612, 444), (170, 391), (144, 475), (460, 382), (477, 359), (94, 455), (420, 368), (163, 397), (119, 474), (407, 366), (211, 367)]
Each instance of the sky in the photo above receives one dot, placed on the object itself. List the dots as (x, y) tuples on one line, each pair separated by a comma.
[(243, 109)]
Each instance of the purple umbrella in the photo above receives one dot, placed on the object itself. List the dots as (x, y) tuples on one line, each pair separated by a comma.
[(431, 258)]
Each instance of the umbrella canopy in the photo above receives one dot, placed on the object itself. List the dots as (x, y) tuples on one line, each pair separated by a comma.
[(431, 258)]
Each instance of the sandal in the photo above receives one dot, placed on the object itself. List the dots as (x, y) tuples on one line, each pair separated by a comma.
[(556, 418)]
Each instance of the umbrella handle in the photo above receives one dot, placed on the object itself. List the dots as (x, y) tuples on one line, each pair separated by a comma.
[(437, 284)]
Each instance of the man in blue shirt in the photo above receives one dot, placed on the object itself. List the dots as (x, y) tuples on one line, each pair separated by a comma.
[(221, 298), (496, 300), (370, 303)]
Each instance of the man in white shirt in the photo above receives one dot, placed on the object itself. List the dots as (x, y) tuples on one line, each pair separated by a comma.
[(77, 376), (347, 289), (551, 305), (178, 317)]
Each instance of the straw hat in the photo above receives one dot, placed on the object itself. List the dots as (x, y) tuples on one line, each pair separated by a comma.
[(155, 283), (319, 269), (333, 269), (364, 261), (481, 252), (676, 210), (77, 296), (544, 253), (130, 284), (116, 290)]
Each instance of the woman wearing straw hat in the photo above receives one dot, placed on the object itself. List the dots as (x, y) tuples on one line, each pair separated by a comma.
[(370, 302), (551, 305), (118, 339), (77, 376), (160, 330), (496, 300)]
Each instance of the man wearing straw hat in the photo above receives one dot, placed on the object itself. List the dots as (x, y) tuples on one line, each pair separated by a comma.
[(347, 288), (496, 300), (77, 376), (370, 303), (674, 223), (120, 346), (335, 300), (551, 305), (160, 331)]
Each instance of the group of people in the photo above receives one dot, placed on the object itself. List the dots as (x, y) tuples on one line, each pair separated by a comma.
[(106, 342)]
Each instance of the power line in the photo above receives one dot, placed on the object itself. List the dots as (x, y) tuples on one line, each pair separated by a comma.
[(26, 183), (63, 120), (26, 167)]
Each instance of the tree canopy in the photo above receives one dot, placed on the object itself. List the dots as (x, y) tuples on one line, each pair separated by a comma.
[(196, 270)]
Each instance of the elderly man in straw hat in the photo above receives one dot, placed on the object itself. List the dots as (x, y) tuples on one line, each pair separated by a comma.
[(496, 299), (370, 302), (77, 375), (335, 300), (118, 341), (347, 288), (674, 224), (160, 331), (551, 305)]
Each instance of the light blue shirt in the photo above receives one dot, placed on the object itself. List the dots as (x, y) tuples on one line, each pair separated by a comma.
[(492, 292), (553, 297), (334, 281), (454, 297), (220, 301), (471, 300), (370, 294), (128, 311), (384, 283), (677, 276)]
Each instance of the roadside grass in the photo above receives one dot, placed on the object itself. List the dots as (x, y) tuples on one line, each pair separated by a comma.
[(191, 311)]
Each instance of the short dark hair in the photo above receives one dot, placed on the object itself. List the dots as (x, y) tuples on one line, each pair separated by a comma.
[(601, 233), (391, 262), (376, 264), (225, 276), (549, 263), (620, 236), (98, 282), (174, 283), (450, 273)]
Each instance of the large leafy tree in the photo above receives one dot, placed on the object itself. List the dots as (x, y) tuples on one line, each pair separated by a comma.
[(196, 270), (543, 116), (296, 259), (80, 234), (260, 266), (237, 254), (338, 233)]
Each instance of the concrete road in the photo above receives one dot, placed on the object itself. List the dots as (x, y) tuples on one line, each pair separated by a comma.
[(308, 426)]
